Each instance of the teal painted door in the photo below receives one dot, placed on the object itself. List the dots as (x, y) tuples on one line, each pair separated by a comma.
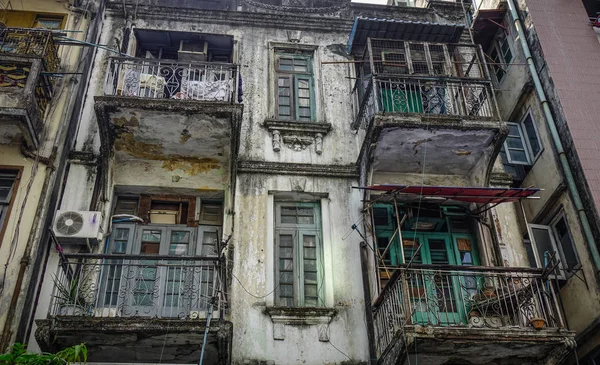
[(434, 294)]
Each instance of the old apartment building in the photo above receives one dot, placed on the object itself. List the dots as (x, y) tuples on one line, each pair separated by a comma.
[(309, 181)]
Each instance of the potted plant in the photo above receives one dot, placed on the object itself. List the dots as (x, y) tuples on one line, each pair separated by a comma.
[(537, 323), (70, 301)]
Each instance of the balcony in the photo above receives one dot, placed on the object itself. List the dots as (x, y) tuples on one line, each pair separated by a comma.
[(434, 314), (169, 113), (116, 303), (410, 92), (27, 57)]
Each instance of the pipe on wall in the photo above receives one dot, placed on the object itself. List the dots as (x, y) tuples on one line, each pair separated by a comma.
[(568, 173)]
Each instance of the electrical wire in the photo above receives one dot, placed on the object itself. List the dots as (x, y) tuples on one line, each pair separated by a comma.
[(254, 295), (340, 351)]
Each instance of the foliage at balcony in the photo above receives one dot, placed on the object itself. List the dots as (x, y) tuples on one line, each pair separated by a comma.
[(18, 355), (136, 285)]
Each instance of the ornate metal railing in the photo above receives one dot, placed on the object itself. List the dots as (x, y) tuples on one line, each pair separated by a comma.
[(466, 99), (164, 79), (476, 297), (136, 285), (31, 43)]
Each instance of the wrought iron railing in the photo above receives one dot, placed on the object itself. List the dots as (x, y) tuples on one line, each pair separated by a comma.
[(476, 297), (31, 43), (465, 99), (136, 285), (165, 79)]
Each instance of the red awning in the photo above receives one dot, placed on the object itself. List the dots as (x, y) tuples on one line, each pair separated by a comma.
[(463, 194)]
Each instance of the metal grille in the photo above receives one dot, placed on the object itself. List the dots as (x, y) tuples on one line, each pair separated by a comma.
[(31, 43), (136, 285), (467, 61), (164, 79), (476, 297)]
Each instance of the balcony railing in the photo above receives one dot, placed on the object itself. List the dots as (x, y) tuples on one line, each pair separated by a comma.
[(164, 79), (29, 43), (422, 96), (136, 285), (37, 43), (475, 297), (422, 78)]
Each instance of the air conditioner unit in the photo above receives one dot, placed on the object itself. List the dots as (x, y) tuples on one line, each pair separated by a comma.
[(77, 227), (191, 51)]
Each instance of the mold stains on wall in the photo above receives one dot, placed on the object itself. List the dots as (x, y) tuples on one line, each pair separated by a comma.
[(190, 165)]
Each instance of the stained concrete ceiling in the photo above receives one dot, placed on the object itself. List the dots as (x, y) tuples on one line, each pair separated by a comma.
[(440, 151), (168, 136)]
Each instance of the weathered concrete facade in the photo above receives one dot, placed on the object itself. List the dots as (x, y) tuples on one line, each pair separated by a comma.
[(221, 150)]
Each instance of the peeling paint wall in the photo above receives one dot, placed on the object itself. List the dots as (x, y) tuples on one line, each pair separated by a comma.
[(254, 267)]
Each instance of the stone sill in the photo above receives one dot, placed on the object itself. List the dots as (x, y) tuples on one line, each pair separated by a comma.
[(297, 126), (301, 315)]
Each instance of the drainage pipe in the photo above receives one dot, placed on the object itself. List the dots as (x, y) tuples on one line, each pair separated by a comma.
[(585, 224)]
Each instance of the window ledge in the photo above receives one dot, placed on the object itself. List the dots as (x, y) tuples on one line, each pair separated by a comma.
[(301, 315), (297, 135)]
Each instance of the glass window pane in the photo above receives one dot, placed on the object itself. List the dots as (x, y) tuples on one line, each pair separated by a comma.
[(518, 155), (286, 264), (180, 236), (310, 241), (304, 112), (178, 249), (532, 136), (303, 84), (120, 247), (286, 290), (284, 111), (284, 91), (543, 244), (310, 290), (284, 82), (304, 103), (151, 236), (284, 100), (310, 253), (566, 243), (530, 254), (310, 265), (515, 142)]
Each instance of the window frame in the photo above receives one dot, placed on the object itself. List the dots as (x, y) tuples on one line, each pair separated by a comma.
[(557, 217), (17, 171), (294, 77), (564, 272), (500, 63), (297, 231), (525, 141)]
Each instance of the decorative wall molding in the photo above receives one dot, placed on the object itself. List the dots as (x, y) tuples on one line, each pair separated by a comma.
[(297, 135), (285, 316), (284, 168)]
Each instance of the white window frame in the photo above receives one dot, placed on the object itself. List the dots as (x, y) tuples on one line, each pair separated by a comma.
[(297, 231), (554, 242), (561, 215), (501, 37), (531, 157)]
